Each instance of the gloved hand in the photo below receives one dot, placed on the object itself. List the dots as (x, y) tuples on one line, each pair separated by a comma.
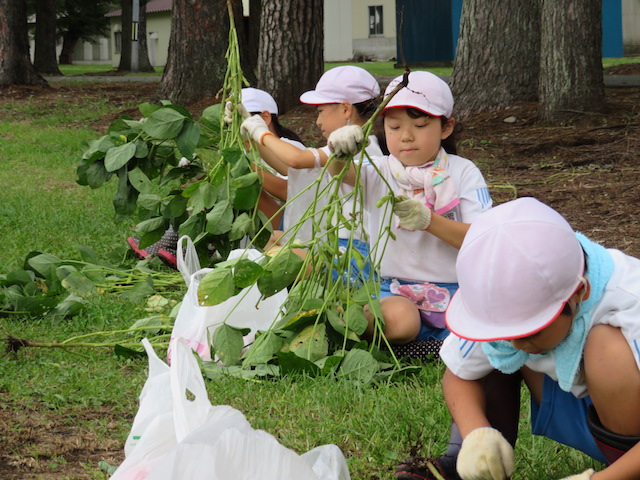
[(586, 475), (412, 213), (346, 140), (485, 455), (254, 128), (228, 112)]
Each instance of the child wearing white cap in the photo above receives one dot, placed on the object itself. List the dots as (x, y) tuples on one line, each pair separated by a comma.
[(537, 298), (345, 95), (440, 193)]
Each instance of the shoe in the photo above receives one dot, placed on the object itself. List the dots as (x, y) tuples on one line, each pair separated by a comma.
[(168, 242), (416, 468), (168, 258), (426, 350)]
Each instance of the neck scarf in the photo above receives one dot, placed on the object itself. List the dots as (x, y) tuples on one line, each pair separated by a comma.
[(429, 183), (568, 354)]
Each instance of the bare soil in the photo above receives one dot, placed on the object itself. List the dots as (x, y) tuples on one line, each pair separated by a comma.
[(588, 169)]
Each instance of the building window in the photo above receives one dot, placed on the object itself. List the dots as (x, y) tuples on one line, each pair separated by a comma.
[(375, 21), (117, 37)]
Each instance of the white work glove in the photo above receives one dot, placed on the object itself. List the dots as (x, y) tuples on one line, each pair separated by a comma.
[(586, 475), (346, 140), (228, 112), (485, 455), (254, 128), (412, 214)]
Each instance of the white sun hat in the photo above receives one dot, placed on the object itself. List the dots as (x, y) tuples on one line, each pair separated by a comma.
[(518, 265), (255, 100), (343, 84), (426, 92)]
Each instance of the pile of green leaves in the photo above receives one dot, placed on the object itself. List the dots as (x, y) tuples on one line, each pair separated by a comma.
[(48, 285)]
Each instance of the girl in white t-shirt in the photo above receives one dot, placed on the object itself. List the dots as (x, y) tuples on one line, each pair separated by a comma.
[(345, 95), (436, 196)]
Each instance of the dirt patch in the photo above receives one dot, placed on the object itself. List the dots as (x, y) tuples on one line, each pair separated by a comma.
[(588, 169)]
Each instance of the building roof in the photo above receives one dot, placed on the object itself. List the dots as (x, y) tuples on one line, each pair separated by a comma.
[(153, 6)]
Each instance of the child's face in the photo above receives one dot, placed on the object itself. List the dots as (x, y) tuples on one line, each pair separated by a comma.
[(414, 141), (549, 337), (331, 117)]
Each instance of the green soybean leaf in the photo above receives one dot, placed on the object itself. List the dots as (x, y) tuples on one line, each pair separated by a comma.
[(124, 201), (246, 180), (220, 218), (78, 284), (92, 174), (246, 273), (149, 202), (204, 197), (142, 149), (45, 265), (292, 364), (216, 287), (228, 344), (280, 272), (150, 225), (240, 226), (177, 206), (148, 108), (139, 180), (192, 226), (355, 319), (140, 291), (164, 123), (188, 139), (263, 349), (70, 306), (117, 157), (358, 365), (246, 198), (311, 343), (231, 155)]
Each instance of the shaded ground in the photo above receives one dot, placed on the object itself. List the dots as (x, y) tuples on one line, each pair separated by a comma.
[(588, 169)]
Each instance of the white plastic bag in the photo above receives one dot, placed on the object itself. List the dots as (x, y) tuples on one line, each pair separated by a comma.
[(197, 440), (187, 258), (196, 323)]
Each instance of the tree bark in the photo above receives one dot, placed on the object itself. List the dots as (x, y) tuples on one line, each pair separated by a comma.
[(290, 58), (45, 59), (497, 58), (252, 34), (196, 62), (571, 68), (125, 48), (144, 65), (15, 65), (69, 42)]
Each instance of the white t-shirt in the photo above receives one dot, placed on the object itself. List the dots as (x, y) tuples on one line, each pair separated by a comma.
[(299, 197), (619, 307), (420, 256)]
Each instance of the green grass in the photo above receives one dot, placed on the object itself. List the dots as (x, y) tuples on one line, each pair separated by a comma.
[(99, 68), (43, 209)]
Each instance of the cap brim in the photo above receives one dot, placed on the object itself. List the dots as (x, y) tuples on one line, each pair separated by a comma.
[(312, 98), (464, 324), (432, 114)]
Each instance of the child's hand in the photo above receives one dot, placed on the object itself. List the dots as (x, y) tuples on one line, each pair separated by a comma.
[(254, 128), (485, 455), (228, 112), (412, 214), (586, 475), (346, 141)]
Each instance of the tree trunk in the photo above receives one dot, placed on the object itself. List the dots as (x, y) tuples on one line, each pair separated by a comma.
[(69, 42), (45, 58), (252, 34), (571, 67), (125, 49), (497, 58), (196, 62), (290, 60), (15, 65), (144, 65)]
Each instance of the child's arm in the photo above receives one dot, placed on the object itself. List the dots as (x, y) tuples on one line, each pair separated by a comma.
[(485, 453), (448, 230), (290, 155), (627, 467), (276, 186)]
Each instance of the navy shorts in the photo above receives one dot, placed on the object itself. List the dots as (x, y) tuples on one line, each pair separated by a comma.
[(563, 417)]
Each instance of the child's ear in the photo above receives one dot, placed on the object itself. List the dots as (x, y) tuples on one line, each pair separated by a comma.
[(583, 291), (347, 109), (447, 128), (266, 116)]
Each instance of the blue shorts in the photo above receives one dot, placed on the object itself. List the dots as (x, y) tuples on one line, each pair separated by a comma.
[(427, 332), (563, 417), (355, 275)]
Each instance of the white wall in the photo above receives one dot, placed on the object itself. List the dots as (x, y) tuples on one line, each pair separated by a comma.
[(631, 26), (338, 45)]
